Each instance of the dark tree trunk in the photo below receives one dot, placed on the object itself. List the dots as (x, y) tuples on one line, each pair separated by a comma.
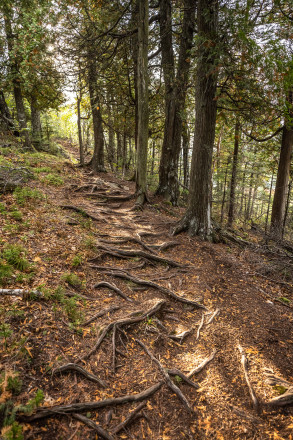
[(21, 117), (287, 208), (142, 97), (269, 203), (111, 149), (224, 191), (197, 219), (234, 173), (175, 94), (5, 113), (97, 161), (281, 189)]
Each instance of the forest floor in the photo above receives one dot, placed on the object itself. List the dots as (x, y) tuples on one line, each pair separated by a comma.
[(76, 231)]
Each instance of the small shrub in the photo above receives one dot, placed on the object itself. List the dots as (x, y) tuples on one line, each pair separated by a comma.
[(14, 255), (72, 279), (22, 195), (2, 208), (90, 243), (53, 179), (5, 332), (76, 261), (6, 271), (16, 215)]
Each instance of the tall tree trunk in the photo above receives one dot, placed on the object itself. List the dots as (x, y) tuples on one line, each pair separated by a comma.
[(279, 202), (97, 161), (269, 202), (5, 113), (36, 124), (185, 150), (18, 97), (111, 150), (234, 173), (142, 96), (287, 207), (197, 219), (175, 94), (224, 191), (81, 152)]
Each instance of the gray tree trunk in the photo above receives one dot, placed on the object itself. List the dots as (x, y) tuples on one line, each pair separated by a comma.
[(197, 219), (142, 101), (175, 94)]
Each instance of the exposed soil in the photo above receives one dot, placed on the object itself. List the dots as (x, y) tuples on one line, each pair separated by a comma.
[(218, 276)]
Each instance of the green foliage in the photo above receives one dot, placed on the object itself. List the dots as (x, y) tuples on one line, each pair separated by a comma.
[(5, 332), (76, 261), (14, 432), (53, 179), (284, 300), (14, 384), (14, 255), (22, 195), (178, 379), (2, 208), (6, 271), (72, 279), (280, 388), (16, 215)]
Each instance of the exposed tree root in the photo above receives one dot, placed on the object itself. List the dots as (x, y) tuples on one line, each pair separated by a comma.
[(251, 390), (167, 378), (284, 399), (200, 327), (181, 336), (164, 246), (198, 369), (210, 320), (84, 213), (56, 410), (175, 372), (132, 253), (99, 314), (129, 418), (114, 348), (126, 276), (122, 322), (114, 288), (121, 240), (100, 431), (122, 198), (79, 369)]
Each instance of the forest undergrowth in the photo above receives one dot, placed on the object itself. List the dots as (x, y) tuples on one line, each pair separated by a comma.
[(112, 328)]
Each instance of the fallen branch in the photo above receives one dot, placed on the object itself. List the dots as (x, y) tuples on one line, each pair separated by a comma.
[(251, 390), (100, 431), (126, 276), (56, 410), (129, 418), (84, 213), (79, 369), (114, 288), (22, 292), (122, 322), (101, 313), (167, 378)]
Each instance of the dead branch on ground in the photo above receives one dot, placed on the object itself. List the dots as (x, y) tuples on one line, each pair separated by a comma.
[(99, 314), (251, 390), (98, 429), (129, 418)]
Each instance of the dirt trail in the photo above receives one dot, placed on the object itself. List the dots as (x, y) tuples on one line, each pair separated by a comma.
[(178, 300)]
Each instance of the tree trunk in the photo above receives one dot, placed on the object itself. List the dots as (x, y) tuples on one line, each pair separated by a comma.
[(175, 94), (36, 124), (279, 201), (185, 149), (197, 219), (21, 117), (5, 113), (97, 161), (234, 173), (142, 96), (111, 150), (81, 152)]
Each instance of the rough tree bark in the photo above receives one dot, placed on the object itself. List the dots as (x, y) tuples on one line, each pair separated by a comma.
[(279, 201), (18, 97), (5, 113), (234, 173), (36, 124), (97, 162), (197, 219), (175, 94), (142, 101)]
